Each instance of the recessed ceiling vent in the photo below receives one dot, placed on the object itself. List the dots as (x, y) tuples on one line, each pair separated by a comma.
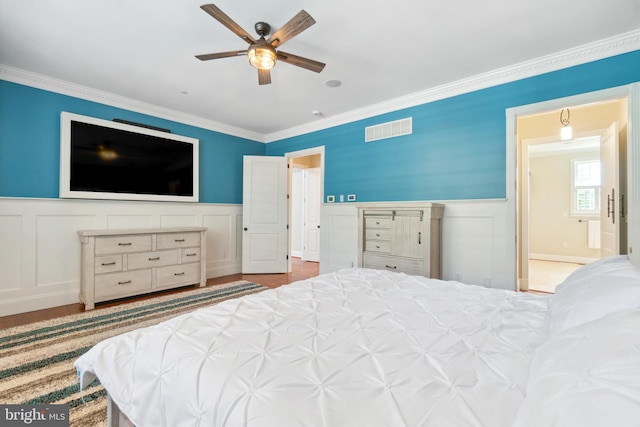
[(388, 130)]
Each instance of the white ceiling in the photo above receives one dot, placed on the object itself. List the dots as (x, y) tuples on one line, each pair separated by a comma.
[(144, 49)]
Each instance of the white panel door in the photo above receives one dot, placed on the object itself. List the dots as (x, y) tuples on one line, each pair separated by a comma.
[(264, 215), (312, 200), (610, 193)]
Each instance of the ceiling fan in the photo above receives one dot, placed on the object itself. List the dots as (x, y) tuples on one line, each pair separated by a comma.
[(262, 53)]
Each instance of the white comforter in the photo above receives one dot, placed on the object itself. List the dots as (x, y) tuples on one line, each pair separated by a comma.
[(354, 348)]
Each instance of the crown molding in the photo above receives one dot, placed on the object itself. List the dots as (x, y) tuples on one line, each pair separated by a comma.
[(39, 81), (622, 43)]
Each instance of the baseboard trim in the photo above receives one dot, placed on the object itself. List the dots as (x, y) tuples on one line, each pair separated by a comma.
[(12, 306), (562, 258), (224, 269)]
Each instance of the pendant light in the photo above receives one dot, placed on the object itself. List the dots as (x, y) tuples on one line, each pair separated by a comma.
[(566, 132)]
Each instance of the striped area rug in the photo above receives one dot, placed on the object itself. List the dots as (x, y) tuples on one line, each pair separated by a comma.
[(36, 360)]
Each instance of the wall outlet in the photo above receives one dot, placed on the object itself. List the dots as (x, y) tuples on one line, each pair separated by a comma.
[(331, 199), (351, 197), (342, 197)]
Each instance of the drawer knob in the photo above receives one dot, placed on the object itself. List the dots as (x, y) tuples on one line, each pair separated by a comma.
[(125, 282), (109, 263), (154, 259), (124, 244), (391, 266), (179, 274), (178, 240), (191, 254)]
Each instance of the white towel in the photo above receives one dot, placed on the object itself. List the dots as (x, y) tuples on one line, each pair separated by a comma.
[(593, 232)]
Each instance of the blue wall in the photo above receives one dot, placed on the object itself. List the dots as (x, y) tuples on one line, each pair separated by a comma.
[(30, 144), (457, 149)]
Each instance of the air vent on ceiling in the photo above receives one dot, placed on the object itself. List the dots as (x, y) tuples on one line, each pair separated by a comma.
[(388, 130)]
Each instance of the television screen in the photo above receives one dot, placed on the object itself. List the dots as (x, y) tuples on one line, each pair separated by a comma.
[(102, 159)]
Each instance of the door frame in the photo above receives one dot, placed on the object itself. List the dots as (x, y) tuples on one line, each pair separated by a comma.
[(290, 156), (632, 93)]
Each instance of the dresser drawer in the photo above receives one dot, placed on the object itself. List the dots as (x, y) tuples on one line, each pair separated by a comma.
[(136, 261), (377, 246), (377, 222), (123, 244), (114, 285), (107, 264), (378, 234), (152, 259), (190, 255), (178, 240), (408, 266), (187, 274)]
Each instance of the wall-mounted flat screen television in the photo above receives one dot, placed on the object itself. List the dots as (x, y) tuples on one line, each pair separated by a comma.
[(101, 159)]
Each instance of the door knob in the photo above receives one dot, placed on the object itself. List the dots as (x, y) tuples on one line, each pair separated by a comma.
[(245, 229)]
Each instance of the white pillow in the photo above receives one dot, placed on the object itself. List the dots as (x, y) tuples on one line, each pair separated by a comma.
[(587, 376), (605, 286)]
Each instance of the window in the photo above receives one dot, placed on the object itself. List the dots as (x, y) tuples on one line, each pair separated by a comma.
[(586, 187)]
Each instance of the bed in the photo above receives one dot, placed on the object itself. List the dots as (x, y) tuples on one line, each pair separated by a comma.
[(363, 347)]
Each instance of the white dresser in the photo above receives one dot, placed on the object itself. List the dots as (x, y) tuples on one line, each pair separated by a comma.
[(404, 237), (122, 263)]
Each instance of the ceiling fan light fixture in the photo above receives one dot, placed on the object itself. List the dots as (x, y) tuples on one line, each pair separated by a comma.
[(262, 55)]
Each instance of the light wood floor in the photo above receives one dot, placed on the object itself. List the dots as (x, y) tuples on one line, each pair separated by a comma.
[(300, 270), (544, 276)]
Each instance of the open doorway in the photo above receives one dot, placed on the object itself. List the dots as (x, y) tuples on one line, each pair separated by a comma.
[(564, 190), (561, 191), (306, 175)]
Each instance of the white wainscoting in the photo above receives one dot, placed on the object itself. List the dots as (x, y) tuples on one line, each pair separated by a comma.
[(477, 246), (40, 248), (338, 236)]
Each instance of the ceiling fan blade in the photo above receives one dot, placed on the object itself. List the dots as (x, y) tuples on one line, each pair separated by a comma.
[(208, 56), (295, 26), (264, 77), (299, 61), (221, 17)]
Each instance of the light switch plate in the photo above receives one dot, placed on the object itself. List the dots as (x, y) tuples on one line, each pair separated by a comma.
[(331, 199), (351, 197)]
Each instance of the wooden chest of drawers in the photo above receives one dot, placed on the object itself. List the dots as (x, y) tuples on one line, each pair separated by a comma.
[(122, 263), (401, 237)]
